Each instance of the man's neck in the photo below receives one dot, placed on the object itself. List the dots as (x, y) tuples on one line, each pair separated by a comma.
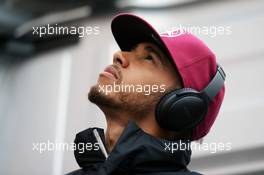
[(117, 121), (113, 131)]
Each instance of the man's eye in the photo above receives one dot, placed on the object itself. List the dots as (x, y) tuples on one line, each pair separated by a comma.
[(149, 57)]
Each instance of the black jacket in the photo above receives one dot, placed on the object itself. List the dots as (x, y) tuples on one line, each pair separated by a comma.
[(135, 153)]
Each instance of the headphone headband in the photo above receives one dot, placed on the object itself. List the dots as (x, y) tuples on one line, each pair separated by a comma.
[(212, 89)]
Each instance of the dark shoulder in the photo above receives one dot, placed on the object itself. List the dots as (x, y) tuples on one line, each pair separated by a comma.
[(172, 173), (82, 172)]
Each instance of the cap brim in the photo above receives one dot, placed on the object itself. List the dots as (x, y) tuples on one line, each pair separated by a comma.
[(129, 30)]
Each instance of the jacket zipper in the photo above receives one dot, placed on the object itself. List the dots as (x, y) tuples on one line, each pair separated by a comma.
[(100, 142)]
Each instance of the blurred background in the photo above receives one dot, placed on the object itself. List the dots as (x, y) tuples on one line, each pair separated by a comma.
[(44, 81)]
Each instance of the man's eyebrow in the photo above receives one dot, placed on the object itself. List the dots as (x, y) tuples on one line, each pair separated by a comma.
[(151, 49), (133, 47), (161, 59)]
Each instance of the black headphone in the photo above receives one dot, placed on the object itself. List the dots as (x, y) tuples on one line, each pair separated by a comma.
[(183, 109)]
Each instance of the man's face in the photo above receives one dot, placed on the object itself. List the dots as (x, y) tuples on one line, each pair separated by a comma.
[(136, 80)]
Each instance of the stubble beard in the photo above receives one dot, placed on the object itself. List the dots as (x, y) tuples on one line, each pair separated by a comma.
[(135, 103)]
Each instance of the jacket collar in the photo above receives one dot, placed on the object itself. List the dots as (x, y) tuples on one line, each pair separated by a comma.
[(135, 151)]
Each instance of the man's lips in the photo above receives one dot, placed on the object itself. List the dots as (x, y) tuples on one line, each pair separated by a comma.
[(110, 71)]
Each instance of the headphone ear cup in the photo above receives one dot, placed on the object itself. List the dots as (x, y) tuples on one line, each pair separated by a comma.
[(181, 109)]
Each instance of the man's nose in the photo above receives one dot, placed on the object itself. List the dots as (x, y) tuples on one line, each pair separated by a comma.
[(121, 58)]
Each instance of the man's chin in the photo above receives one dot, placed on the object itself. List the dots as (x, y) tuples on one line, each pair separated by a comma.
[(100, 98)]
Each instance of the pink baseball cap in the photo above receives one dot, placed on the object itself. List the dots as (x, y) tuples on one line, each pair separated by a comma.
[(195, 62)]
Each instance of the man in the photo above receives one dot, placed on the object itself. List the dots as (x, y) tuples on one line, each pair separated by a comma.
[(161, 90)]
